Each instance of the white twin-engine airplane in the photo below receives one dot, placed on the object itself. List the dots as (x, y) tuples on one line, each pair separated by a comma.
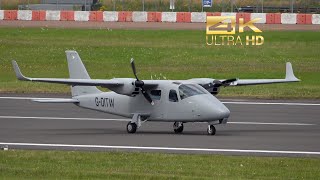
[(177, 101)]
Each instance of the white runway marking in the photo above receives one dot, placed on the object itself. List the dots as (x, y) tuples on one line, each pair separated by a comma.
[(101, 119), (281, 124), (162, 148), (227, 102), (32, 98), (272, 103), (20, 98), (61, 118)]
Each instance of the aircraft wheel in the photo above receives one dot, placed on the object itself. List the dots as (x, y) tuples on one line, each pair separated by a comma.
[(178, 127), (211, 130), (131, 127)]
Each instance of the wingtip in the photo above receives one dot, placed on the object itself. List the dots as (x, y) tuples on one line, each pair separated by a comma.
[(289, 72), (14, 62), (16, 68)]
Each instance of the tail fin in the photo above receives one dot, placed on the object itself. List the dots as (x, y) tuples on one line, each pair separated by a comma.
[(78, 71)]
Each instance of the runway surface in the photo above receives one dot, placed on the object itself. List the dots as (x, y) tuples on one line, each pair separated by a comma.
[(268, 128)]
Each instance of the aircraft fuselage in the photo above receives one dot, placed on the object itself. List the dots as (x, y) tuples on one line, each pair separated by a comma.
[(199, 108)]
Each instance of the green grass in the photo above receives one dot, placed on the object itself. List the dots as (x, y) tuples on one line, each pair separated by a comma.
[(173, 54), (119, 165)]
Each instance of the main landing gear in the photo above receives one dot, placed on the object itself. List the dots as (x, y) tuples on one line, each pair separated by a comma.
[(136, 121), (131, 127), (134, 124), (178, 127)]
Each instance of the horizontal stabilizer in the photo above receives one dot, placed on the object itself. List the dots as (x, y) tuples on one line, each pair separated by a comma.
[(54, 100)]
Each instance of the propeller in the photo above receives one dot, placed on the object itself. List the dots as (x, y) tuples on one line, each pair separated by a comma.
[(217, 83), (138, 83)]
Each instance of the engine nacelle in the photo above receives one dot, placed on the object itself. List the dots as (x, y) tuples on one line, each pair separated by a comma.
[(128, 88)]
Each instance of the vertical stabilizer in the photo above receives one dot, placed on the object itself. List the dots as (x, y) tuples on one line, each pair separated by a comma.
[(78, 71)]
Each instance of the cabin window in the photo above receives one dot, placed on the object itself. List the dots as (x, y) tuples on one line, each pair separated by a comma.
[(155, 94), (188, 90), (173, 97)]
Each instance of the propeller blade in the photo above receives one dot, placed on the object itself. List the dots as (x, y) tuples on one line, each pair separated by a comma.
[(147, 96), (134, 68), (139, 83), (227, 81), (218, 83)]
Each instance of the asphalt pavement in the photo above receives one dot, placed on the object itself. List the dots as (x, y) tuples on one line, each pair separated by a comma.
[(276, 128)]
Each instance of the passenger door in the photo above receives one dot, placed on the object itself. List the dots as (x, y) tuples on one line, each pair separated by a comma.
[(159, 105)]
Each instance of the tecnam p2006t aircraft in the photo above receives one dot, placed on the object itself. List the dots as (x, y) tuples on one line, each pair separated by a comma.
[(177, 101)]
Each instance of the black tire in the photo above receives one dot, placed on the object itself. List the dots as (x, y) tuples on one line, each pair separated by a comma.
[(131, 127), (212, 130), (179, 129)]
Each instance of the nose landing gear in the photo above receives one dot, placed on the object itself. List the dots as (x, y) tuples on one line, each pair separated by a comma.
[(211, 130), (178, 127)]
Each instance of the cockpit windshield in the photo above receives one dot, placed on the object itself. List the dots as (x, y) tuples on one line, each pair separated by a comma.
[(188, 90)]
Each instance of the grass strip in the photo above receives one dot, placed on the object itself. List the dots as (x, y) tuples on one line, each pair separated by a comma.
[(158, 54), (28, 164)]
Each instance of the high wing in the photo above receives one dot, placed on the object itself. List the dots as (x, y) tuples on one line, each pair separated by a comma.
[(290, 77), (110, 83), (82, 84), (213, 85), (73, 82)]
